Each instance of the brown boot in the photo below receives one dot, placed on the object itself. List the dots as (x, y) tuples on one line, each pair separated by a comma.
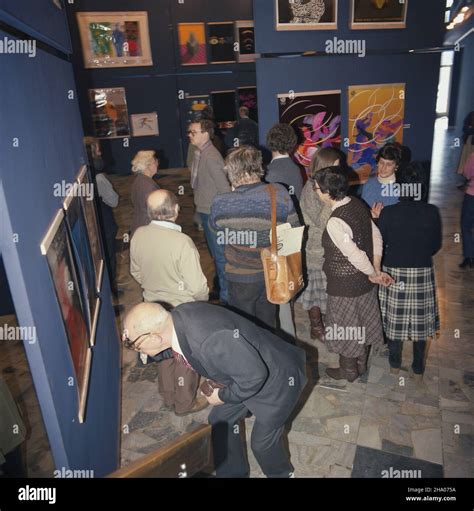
[(362, 363), (347, 370), (317, 325)]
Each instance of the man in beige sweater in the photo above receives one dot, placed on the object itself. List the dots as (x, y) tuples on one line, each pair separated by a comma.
[(165, 262)]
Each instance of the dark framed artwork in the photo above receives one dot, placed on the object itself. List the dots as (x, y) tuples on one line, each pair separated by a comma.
[(109, 112), (245, 36), (57, 249), (192, 44), (247, 96), (82, 253), (194, 105), (115, 39), (316, 118), (92, 224), (378, 14), (223, 104), (221, 42), (306, 14)]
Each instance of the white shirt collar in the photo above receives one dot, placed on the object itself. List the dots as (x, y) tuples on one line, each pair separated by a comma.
[(280, 157), (167, 225), (175, 344), (342, 202)]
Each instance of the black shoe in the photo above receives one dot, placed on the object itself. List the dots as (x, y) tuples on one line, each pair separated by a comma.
[(467, 263)]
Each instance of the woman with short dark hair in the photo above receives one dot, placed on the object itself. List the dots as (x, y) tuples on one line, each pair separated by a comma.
[(411, 232), (352, 257)]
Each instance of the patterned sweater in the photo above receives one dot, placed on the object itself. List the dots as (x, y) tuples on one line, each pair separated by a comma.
[(242, 222)]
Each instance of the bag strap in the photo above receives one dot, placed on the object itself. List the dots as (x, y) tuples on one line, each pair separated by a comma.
[(271, 190)]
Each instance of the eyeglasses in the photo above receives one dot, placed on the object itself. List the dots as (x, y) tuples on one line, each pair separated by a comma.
[(133, 345), (193, 132)]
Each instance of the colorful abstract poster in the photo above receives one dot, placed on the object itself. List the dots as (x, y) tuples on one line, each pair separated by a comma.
[(57, 248), (306, 14), (109, 112), (376, 117), (223, 104), (248, 97), (115, 39), (316, 118), (377, 14), (192, 44), (221, 42), (245, 36), (194, 106)]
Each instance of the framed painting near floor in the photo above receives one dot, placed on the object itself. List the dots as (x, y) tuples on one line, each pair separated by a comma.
[(306, 14), (248, 97), (245, 37), (221, 42), (145, 125), (57, 249), (376, 117), (115, 39), (378, 14), (223, 104), (316, 118), (109, 112), (192, 44)]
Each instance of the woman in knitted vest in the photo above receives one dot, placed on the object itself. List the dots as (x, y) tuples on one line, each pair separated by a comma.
[(352, 257)]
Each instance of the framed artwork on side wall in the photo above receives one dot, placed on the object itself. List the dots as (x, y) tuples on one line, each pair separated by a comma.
[(194, 107), (316, 118), (144, 125), (245, 36), (223, 104), (248, 97), (192, 44), (115, 39), (57, 249), (221, 42), (378, 14), (376, 117), (109, 112), (306, 14)]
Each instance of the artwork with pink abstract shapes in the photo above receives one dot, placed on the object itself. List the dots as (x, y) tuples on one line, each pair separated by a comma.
[(316, 118)]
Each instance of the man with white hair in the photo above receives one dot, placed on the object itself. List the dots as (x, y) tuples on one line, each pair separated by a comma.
[(249, 368)]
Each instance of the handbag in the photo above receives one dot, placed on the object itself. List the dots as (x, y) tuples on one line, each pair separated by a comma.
[(283, 274)]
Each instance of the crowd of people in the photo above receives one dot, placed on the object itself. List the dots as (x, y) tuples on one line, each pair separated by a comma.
[(369, 279)]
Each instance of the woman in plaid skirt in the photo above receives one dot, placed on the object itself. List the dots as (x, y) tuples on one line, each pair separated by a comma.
[(411, 232), (316, 214)]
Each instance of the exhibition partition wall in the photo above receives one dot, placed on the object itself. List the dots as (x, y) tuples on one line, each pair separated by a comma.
[(53, 258), (161, 54)]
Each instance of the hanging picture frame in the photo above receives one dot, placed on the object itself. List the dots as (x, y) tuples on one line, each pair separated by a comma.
[(247, 96), (192, 44), (145, 125), (194, 105), (115, 39), (245, 37), (109, 112), (312, 15), (378, 14), (223, 104), (221, 42), (58, 252)]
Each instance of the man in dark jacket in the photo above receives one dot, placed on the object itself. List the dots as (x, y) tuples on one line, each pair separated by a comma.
[(256, 370)]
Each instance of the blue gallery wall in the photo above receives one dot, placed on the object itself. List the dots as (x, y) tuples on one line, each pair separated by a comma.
[(154, 88), (307, 74), (425, 29), (35, 108)]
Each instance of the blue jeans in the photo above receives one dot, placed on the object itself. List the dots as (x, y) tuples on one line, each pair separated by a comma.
[(217, 253), (467, 225)]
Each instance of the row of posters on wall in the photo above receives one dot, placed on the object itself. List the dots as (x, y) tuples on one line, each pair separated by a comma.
[(375, 117), (121, 39), (323, 14), (75, 258)]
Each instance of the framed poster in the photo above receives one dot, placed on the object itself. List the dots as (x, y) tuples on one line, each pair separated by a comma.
[(93, 231), (306, 14), (223, 103), (194, 107), (81, 249), (377, 14), (248, 97), (245, 36), (221, 42), (56, 247), (109, 112), (192, 44), (376, 117), (316, 118), (115, 39), (145, 125)]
